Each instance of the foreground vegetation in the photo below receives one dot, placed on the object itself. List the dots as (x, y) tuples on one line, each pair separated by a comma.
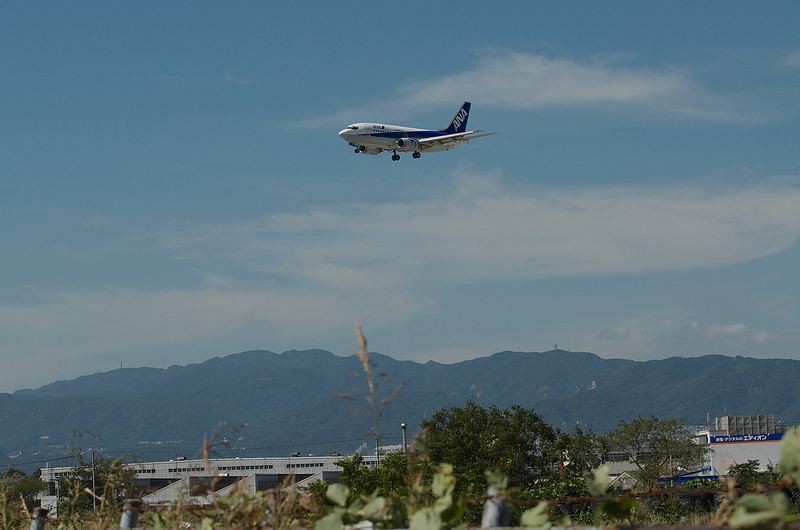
[(507, 466), (411, 490), (527, 476)]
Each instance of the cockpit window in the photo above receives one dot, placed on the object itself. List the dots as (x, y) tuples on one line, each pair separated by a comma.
[(354, 127)]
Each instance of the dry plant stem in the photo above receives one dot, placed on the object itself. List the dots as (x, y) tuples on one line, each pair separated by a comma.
[(364, 357)]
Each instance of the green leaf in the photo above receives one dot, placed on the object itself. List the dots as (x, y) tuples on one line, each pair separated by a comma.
[(338, 493), (426, 519), (332, 521), (598, 482), (790, 455), (355, 508), (758, 511), (498, 479), (536, 517), (619, 509), (443, 504), (373, 507), (443, 481)]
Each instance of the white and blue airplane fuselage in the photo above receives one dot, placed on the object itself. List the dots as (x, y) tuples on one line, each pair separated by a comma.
[(372, 138)]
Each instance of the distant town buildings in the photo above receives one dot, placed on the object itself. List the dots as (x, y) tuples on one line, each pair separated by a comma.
[(190, 480), (739, 439), (733, 440)]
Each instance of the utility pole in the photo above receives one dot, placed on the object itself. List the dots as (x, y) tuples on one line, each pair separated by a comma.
[(94, 498)]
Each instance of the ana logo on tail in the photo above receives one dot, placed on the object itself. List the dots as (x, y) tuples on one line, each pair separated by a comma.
[(459, 118)]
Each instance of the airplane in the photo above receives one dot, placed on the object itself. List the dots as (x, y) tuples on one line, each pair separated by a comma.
[(372, 138)]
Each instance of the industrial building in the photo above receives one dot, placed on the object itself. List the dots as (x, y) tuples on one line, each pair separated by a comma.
[(739, 439), (190, 481), (733, 440)]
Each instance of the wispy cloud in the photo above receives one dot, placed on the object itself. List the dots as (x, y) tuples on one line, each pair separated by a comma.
[(484, 230), (615, 333), (529, 82), (698, 337), (144, 325), (791, 58), (309, 273)]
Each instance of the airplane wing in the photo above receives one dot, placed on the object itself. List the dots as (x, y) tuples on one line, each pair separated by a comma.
[(449, 138)]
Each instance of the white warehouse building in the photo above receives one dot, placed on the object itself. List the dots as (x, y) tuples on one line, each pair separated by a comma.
[(739, 439), (190, 481)]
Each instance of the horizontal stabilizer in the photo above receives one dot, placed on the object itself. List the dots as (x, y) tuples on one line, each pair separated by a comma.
[(468, 135)]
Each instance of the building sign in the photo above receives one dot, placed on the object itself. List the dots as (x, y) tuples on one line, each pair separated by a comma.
[(50, 503), (746, 438)]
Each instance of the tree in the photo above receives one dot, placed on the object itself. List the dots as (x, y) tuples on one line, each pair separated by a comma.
[(748, 475), (514, 441), (113, 482), (359, 477), (394, 476), (581, 452), (657, 447), (17, 485)]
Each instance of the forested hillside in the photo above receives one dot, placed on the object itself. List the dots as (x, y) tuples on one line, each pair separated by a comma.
[(288, 401)]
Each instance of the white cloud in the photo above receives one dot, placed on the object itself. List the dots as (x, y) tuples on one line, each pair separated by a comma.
[(763, 337), (488, 231), (106, 319), (529, 82), (792, 58), (699, 337), (665, 333), (715, 330), (615, 333), (483, 230), (308, 274), (145, 325)]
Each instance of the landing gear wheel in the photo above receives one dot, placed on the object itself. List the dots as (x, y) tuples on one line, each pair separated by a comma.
[(416, 154), (358, 150), (395, 157)]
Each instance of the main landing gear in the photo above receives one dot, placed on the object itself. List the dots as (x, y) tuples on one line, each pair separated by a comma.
[(415, 154)]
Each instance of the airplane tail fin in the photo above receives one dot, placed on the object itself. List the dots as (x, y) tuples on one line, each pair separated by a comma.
[(459, 121)]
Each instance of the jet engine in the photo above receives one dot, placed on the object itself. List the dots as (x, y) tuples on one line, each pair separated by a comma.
[(368, 150), (407, 143)]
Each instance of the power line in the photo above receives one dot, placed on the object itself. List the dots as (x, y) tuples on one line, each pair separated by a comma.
[(48, 460), (265, 448)]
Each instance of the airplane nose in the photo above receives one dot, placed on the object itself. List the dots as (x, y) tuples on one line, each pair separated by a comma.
[(344, 133)]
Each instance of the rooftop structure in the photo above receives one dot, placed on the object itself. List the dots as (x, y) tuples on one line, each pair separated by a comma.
[(752, 424), (740, 439), (191, 480)]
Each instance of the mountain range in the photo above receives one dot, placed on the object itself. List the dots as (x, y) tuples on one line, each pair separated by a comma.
[(259, 403)]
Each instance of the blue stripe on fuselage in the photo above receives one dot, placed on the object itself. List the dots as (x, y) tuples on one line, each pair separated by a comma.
[(407, 134)]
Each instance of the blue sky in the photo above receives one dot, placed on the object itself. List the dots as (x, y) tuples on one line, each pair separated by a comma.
[(172, 186)]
